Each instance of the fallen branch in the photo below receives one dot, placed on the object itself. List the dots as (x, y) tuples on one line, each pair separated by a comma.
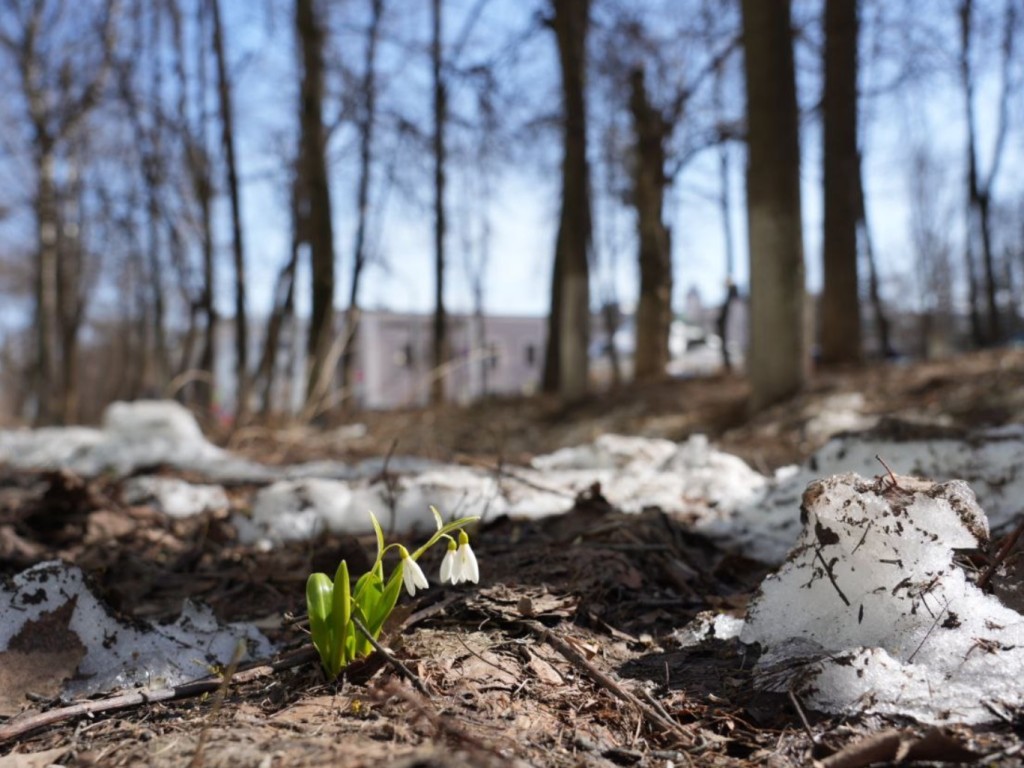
[(390, 658), (32, 721), (1004, 551)]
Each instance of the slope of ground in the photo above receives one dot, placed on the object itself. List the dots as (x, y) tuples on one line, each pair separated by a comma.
[(566, 654)]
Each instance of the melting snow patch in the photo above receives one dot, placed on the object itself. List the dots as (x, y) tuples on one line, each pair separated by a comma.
[(708, 625), (870, 613), (992, 462), (137, 434), (633, 474), (50, 605), (174, 497)]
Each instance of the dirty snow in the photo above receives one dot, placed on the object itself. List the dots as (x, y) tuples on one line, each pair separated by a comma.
[(991, 462), (870, 613), (118, 653), (740, 507), (175, 497)]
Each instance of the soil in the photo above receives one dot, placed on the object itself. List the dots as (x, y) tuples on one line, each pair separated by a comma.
[(563, 655)]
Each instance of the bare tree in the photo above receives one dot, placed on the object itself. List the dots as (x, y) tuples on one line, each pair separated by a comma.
[(933, 252), (224, 98), (366, 122), (840, 299), (440, 93), (566, 362), (61, 84), (777, 358), (314, 198), (654, 310), (866, 246), (979, 184)]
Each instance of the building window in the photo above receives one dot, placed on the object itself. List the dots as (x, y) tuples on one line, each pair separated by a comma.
[(493, 355), (531, 355), (405, 357)]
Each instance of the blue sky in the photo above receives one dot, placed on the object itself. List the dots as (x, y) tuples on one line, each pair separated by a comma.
[(523, 210)]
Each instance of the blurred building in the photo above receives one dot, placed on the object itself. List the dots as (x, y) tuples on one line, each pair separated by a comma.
[(393, 363)]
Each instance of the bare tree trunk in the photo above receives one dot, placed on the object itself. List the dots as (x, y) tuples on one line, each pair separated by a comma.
[(840, 300), (966, 11), (208, 357), (654, 310), (367, 124), (570, 306), (315, 200), (238, 250), (71, 290), (284, 302), (440, 341), (979, 187), (882, 327), (45, 282), (59, 95), (777, 360), (725, 208), (551, 375)]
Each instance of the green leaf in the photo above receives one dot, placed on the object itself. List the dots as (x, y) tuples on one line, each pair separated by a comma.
[(341, 616), (366, 602), (380, 536), (386, 604), (360, 645), (319, 593), (437, 517)]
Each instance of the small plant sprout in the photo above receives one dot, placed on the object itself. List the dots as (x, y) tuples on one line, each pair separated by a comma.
[(336, 607)]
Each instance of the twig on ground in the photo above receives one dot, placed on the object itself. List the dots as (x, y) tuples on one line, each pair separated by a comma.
[(1004, 551), (605, 681), (403, 670), (831, 576), (32, 721), (803, 717)]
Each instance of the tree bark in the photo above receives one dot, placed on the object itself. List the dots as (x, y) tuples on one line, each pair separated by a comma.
[(777, 360), (570, 306), (840, 300), (654, 309), (315, 200), (224, 97), (440, 342), (45, 204)]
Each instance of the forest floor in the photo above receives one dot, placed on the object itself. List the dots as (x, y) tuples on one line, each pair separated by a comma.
[(563, 655)]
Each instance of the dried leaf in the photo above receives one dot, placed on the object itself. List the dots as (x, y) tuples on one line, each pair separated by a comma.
[(38, 659)]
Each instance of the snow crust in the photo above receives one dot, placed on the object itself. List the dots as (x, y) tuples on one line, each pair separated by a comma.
[(119, 653), (991, 462), (870, 613)]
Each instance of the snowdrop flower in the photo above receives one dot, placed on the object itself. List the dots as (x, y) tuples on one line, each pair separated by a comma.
[(465, 567), (412, 574), (448, 564)]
